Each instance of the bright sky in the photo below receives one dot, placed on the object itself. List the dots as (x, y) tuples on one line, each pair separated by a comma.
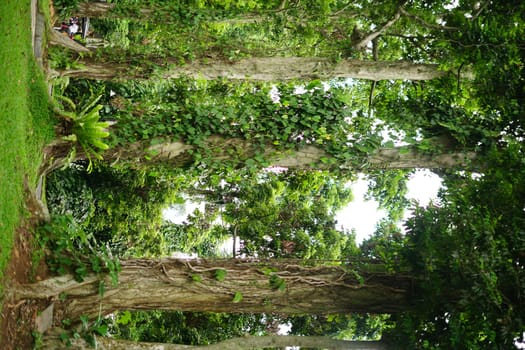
[(363, 215)]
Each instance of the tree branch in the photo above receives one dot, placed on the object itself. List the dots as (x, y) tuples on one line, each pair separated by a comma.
[(364, 42), (425, 23)]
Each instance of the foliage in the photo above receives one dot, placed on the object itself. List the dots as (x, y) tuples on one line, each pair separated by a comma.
[(190, 328), (121, 207), (284, 116), (89, 331), (71, 250), (273, 215), (289, 215), (61, 59), (468, 252), (86, 129), (65, 8), (115, 31), (440, 121), (385, 246), (351, 327), (389, 189), (225, 29), (67, 193), (196, 235)]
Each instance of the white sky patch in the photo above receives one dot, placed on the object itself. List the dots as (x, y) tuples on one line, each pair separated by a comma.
[(423, 186), (362, 215), (452, 5), (178, 213), (275, 94)]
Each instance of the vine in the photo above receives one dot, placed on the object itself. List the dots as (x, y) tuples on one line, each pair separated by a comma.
[(277, 116)]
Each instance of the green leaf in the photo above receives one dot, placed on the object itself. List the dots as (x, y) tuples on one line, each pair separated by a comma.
[(314, 84), (277, 282), (85, 321), (237, 297), (124, 318), (196, 278), (282, 286), (267, 270), (404, 150), (101, 288), (220, 275), (101, 330)]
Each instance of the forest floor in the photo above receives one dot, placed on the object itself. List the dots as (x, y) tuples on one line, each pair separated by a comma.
[(19, 318), (26, 124)]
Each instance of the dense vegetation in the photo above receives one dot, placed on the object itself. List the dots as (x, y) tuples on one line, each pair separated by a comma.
[(270, 162)]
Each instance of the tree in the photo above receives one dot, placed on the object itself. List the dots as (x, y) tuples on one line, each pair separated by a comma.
[(179, 154), (118, 206), (290, 214), (242, 343), (263, 69), (218, 125), (408, 33), (225, 285), (467, 251)]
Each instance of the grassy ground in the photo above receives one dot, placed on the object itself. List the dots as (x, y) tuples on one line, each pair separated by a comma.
[(25, 119)]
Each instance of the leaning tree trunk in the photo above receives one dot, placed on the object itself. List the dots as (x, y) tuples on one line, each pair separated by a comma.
[(61, 39), (237, 152), (250, 286), (265, 69), (53, 341)]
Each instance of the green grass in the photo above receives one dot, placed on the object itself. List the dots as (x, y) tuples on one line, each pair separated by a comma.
[(26, 123)]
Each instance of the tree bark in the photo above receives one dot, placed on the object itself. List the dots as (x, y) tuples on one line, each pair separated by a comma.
[(238, 151), (252, 286), (361, 45), (308, 157), (53, 341), (96, 9), (61, 39), (267, 69)]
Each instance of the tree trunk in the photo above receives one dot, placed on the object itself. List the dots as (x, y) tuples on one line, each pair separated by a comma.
[(95, 9), (53, 341), (106, 10), (61, 39), (238, 151), (251, 286), (267, 69), (308, 157)]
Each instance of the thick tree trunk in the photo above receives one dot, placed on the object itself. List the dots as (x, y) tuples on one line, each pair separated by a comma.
[(61, 39), (253, 286), (238, 151), (309, 157), (269, 69), (53, 341)]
